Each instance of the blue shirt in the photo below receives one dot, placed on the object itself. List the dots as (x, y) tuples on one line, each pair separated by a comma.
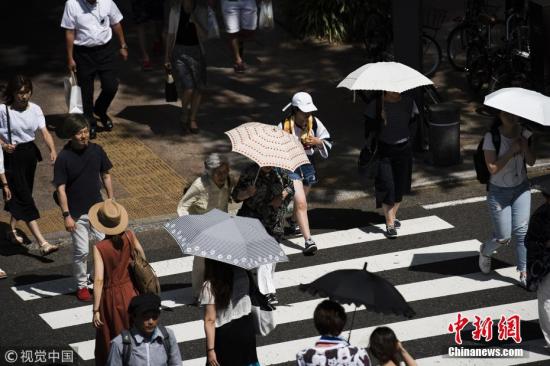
[(146, 351)]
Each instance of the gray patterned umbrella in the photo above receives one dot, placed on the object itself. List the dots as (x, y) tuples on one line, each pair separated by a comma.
[(240, 241)]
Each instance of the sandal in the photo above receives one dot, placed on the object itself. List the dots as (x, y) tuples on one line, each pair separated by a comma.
[(3, 274), (239, 68), (47, 248), (193, 130), (14, 238)]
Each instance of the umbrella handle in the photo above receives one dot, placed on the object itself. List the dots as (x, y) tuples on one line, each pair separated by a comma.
[(351, 325), (256, 178)]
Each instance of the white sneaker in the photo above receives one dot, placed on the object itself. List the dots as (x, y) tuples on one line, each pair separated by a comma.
[(484, 261), (523, 280)]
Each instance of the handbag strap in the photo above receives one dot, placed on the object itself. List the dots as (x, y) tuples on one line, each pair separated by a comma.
[(9, 125), (132, 245)]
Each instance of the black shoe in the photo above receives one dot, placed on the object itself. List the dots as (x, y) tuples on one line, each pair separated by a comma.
[(272, 300), (391, 232), (396, 224), (293, 228), (93, 133), (106, 122), (310, 247)]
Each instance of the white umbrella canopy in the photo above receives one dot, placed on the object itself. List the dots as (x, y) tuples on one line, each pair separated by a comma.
[(388, 76), (268, 145), (524, 103)]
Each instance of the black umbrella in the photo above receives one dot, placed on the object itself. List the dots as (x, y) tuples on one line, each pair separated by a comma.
[(360, 287)]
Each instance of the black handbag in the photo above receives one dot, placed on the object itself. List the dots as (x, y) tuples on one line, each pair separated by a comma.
[(170, 91)]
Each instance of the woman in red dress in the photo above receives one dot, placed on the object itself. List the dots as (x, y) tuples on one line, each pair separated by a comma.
[(113, 287)]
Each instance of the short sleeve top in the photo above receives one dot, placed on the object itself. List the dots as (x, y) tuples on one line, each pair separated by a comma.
[(80, 171), (398, 115), (514, 172), (23, 124), (91, 22), (239, 305)]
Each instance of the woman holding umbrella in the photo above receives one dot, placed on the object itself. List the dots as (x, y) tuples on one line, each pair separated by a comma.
[(228, 323), (509, 196), (387, 122)]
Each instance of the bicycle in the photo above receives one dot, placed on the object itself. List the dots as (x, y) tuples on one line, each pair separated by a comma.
[(499, 67), (475, 26), (378, 39)]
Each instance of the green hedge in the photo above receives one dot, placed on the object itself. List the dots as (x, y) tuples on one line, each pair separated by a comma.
[(333, 20)]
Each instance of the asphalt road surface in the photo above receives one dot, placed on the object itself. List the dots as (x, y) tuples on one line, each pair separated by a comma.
[(433, 263)]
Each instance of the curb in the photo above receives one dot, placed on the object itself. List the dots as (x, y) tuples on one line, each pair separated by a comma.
[(317, 196)]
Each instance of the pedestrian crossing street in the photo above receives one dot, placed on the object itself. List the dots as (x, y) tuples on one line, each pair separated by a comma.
[(439, 278)]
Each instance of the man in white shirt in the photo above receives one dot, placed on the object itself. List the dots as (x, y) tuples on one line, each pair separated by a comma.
[(89, 26)]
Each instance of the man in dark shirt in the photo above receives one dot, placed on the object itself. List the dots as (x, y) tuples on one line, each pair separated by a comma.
[(80, 171)]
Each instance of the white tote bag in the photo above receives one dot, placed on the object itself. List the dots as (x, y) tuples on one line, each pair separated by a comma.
[(73, 95), (265, 17), (213, 27)]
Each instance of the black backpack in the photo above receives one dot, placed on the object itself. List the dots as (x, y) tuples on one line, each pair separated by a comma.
[(127, 345), (482, 172)]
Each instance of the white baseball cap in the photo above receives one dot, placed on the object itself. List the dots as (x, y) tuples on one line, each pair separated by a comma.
[(303, 101)]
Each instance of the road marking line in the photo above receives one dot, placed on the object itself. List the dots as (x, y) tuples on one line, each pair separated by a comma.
[(460, 202), (293, 277), (405, 330), (175, 266), (424, 290)]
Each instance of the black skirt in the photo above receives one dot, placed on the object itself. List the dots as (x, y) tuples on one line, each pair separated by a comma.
[(235, 342), (20, 169), (393, 179)]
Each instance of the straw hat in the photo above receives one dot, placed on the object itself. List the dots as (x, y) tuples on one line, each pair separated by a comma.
[(108, 217)]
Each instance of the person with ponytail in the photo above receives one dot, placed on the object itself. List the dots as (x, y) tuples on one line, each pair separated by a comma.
[(314, 137)]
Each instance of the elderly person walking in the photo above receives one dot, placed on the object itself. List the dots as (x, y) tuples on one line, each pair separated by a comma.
[(185, 53), (314, 137), (19, 121), (209, 191)]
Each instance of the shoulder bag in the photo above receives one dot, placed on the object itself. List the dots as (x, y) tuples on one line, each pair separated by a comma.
[(143, 275)]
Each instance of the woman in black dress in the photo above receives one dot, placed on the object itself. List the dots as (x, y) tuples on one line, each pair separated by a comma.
[(19, 121)]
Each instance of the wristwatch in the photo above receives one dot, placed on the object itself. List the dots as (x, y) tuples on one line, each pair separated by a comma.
[(124, 46), (66, 214)]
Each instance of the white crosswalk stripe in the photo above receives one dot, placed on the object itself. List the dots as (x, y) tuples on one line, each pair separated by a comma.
[(436, 286), (180, 265)]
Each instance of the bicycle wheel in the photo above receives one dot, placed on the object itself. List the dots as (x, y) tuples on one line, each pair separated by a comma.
[(477, 68), (457, 47), (431, 55)]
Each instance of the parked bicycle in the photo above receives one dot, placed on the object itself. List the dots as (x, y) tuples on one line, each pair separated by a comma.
[(501, 66), (378, 38), (477, 24)]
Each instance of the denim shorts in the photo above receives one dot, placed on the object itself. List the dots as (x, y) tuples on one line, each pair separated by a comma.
[(305, 173)]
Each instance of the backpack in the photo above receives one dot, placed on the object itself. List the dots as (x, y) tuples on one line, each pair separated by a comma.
[(482, 172), (144, 278), (127, 345)]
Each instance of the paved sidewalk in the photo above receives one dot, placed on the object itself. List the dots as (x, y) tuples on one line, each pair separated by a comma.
[(152, 162)]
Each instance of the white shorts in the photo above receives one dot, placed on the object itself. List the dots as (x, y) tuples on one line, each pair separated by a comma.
[(239, 14)]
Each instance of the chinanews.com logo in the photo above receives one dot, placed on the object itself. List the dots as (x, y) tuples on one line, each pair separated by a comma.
[(507, 328)]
